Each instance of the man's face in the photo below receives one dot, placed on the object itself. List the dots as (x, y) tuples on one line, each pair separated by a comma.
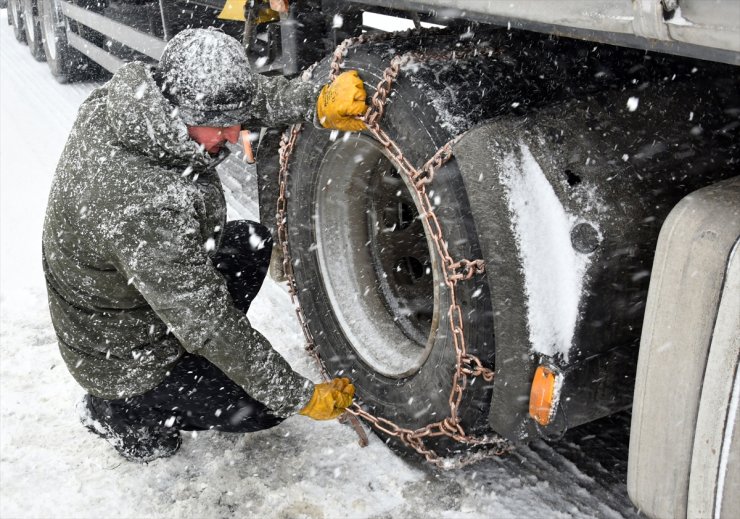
[(213, 137)]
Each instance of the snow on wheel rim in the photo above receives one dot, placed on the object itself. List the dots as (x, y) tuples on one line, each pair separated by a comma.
[(28, 18), (377, 307), (49, 27), (15, 12)]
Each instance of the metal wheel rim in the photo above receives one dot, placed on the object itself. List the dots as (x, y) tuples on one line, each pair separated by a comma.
[(48, 23), (15, 13), (28, 19), (349, 268)]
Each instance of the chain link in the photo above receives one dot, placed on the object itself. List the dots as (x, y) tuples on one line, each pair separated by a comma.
[(287, 143), (466, 365)]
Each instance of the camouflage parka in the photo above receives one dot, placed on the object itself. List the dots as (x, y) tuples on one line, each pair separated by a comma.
[(135, 209)]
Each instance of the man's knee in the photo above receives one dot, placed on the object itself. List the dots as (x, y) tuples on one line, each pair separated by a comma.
[(245, 235), (243, 259)]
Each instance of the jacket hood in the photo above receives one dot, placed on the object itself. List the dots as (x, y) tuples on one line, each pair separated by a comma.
[(144, 121)]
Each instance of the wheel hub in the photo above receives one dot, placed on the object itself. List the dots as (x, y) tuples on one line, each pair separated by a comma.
[(28, 19), (374, 257), (50, 30), (14, 12)]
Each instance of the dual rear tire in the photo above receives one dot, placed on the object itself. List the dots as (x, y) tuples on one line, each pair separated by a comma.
[(15, 18), (66, 64), (41, 24), (32, 28)]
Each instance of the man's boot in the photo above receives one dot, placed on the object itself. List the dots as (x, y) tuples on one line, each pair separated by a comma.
[(138, 443)]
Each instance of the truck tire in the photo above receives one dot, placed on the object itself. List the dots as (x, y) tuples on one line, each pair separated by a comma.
[(370, 282), (15, 18), (684, 454), (379, 312), (268, 168), (32, 28), (66, 64)]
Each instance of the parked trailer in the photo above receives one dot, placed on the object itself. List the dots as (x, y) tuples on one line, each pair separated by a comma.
[(593, 170)]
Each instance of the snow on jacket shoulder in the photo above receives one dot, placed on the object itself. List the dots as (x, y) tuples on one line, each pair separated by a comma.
[(135, 209)]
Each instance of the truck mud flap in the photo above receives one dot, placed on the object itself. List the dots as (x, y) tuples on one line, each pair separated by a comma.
[(568, 203)]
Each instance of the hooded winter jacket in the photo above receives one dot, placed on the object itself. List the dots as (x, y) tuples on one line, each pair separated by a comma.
[(135, 209)]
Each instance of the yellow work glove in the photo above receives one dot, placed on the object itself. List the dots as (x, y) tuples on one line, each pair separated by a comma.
[(329, 399), (341, 101)]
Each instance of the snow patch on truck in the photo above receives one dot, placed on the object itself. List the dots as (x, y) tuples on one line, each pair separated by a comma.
[(678, 19), (553, 270), (445, 103)]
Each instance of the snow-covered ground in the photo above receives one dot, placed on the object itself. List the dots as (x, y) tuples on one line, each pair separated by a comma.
[(50, 466)]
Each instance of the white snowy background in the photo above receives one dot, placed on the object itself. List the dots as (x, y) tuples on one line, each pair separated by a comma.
[(50, 466)]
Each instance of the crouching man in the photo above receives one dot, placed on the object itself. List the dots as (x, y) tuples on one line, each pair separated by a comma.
[(148, 284)]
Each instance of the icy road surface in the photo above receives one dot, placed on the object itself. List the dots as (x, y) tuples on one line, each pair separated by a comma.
[(51, 467)]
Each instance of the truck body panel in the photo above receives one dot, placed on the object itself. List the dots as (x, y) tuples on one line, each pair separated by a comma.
[(696, 28)]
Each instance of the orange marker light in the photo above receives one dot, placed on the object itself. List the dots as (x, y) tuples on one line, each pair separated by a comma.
[(542, 396)]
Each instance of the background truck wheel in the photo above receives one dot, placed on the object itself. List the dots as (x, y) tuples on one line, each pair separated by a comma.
[(32, 28), (15, 17), (370, 281), (65, 63)]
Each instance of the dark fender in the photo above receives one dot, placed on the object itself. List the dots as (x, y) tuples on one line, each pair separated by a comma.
[(617, 173)]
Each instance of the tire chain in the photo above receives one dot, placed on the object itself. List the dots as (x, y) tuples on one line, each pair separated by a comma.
[(466, 365)]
